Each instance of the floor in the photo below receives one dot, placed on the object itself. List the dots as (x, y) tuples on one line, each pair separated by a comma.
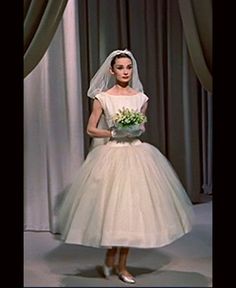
[(187, 262)]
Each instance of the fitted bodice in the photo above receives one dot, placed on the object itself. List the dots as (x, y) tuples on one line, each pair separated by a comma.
[(112, 103)]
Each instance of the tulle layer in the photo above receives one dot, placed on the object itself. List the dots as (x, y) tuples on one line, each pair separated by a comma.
[(125, 194)]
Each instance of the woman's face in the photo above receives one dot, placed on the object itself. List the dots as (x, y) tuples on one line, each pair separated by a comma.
[(122, 70)]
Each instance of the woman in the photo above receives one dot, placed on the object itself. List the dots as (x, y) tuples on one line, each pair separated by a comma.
[(126, 193)]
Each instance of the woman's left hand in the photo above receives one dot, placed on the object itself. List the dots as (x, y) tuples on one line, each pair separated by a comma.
[(136, 133)]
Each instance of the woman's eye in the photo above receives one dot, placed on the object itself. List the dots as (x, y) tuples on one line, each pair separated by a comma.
[(120, 68)]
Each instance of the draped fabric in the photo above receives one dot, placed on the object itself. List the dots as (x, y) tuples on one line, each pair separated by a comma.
[(41, 19), (196, 16), (153, 31), (56, 108), (53, 125), (207, 144)]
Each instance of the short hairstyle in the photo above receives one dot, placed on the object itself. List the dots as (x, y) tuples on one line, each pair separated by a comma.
[(121, 55)]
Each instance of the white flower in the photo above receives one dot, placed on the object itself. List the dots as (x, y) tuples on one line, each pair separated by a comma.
[(126, 118)]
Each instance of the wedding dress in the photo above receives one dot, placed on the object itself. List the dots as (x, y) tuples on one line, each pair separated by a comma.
[(126, 193)]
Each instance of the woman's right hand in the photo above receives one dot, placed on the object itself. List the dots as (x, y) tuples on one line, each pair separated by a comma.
[(118, 133), (129, 133)]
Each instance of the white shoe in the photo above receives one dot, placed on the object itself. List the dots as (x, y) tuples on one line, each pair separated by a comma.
[(107, 271), (127, 279), (124, 278)]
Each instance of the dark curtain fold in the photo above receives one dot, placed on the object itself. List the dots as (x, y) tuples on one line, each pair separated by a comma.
[(152, 30), (206, 100), (26, 6), (41, 19), (196, 16)]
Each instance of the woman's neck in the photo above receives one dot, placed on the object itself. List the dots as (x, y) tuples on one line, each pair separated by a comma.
[(122, 87), (118, 89)]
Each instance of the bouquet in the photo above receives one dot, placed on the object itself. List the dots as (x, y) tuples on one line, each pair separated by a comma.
[(129, 121)]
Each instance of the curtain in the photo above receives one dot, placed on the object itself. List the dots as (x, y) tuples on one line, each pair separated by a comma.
[(197, 25), (207, 145), (196, 17), (41, 19), (53, 125), (153, 31), (56, 108)]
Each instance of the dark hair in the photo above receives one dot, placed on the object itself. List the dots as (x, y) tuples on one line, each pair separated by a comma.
[(121, 55)]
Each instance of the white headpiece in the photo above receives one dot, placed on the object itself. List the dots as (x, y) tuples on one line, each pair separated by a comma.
[(102, 80)]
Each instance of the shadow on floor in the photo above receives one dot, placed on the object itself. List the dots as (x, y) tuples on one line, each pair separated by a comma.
[(77, 265), (144, 278), (67, 258), (97, 272)]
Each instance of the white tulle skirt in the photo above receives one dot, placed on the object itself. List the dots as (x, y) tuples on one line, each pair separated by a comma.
[(125, 194)]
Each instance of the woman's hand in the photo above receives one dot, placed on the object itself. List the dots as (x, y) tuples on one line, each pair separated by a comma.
[(127, 132), (117, 133)]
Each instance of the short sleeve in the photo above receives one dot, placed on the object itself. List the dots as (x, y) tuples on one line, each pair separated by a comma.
[(100, 98), (145, 98)]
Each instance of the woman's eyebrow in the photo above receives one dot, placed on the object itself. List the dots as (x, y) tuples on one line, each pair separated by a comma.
[(120, 65)]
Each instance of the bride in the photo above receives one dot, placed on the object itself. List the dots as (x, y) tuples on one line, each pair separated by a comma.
[(126, 193)]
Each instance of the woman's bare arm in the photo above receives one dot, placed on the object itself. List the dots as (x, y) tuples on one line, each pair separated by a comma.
[(144, 108), (92, 129)]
